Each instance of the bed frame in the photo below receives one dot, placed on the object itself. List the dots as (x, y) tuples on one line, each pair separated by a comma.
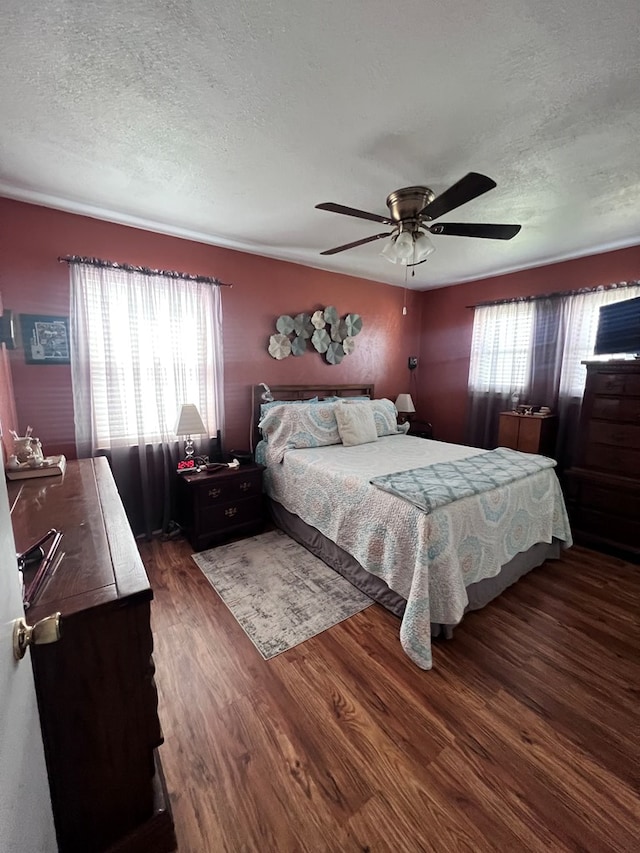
[(479, 594)]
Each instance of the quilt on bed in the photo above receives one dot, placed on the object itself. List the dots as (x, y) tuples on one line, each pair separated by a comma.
[(443, 482), (428, 559)]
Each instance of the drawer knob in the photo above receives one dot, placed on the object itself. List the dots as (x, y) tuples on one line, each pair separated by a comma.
[(245, 486), (231, 511), (214, 493)]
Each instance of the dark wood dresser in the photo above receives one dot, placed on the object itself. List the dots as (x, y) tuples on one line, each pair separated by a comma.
[(214, 505), (96, 694), (528, 433), (603, 488)]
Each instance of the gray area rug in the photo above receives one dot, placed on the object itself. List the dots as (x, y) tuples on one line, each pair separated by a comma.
[(280, 593)]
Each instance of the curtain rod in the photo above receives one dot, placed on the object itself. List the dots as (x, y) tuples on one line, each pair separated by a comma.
[(557, 294), (185, 276)]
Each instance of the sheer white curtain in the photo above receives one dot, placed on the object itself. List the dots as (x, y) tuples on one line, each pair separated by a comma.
[(142, 345), (534, 350), (498, 374), (582, 312)]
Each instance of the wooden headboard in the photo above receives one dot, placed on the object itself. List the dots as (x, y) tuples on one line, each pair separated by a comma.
[(303, 392)]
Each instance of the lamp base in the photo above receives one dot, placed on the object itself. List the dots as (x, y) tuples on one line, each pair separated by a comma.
[(404, 417)]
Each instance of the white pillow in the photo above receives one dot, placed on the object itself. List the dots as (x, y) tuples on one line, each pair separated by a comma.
[(356, 424)]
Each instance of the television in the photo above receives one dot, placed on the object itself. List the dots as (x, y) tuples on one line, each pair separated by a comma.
[(619, 328)]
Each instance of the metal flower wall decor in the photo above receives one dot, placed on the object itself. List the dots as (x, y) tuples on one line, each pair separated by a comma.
[(329, 335)]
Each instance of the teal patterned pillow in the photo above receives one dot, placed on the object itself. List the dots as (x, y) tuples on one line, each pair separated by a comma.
[(295, 427), (349, 399), (264, 407)]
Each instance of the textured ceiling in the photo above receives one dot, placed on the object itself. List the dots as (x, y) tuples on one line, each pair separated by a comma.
[(228, 122)]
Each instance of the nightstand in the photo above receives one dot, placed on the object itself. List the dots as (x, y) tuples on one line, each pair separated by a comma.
[(528, 433), (421, 429), (215, 505)]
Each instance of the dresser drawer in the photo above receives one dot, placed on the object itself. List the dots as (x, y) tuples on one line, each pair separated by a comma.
[(620, 384), (604, 457), (620, 435), (625, 409), (607, 527), (223, 490), (605, 498), (221, 517)]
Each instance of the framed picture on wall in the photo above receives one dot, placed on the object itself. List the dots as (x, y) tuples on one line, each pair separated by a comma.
[(45, 339)]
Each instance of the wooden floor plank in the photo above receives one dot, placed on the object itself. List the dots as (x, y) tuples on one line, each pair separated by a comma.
[(524, 736)]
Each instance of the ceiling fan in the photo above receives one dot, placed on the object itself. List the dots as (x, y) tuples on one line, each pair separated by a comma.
[(410, 211)]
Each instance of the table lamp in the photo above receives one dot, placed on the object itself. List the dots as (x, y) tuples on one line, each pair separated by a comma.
[(189, 423), (405, 407)]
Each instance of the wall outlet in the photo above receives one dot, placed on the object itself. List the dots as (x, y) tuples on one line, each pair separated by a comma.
[(413, 362)]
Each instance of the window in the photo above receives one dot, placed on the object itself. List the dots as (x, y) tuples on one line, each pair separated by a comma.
[(505, 338), (143, 346), (501, 347)]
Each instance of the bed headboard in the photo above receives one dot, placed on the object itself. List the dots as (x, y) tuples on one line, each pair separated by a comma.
[(303, 392)]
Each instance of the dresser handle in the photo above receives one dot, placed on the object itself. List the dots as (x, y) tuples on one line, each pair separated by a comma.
[(214, 493), (231, 511), (245, 486)]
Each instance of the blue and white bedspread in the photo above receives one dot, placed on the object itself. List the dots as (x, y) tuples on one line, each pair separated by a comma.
[(443, 482), (429, 559)]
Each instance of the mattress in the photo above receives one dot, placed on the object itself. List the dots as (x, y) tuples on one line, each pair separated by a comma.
[(428, 559)]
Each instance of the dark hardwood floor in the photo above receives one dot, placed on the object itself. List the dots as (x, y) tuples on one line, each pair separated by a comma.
[(524, 736)]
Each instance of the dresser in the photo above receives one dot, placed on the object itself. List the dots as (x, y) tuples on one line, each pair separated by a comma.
[(215, 505), (603, 488), (95, 686), (528, 433)]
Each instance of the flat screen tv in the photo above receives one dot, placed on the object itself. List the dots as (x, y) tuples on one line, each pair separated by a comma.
[(619, 328)]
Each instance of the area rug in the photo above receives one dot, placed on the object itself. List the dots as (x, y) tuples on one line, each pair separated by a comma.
[(279, 593)]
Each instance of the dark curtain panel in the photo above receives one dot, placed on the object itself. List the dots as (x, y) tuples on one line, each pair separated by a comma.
[(550, 325), (484, 417), (146, 480), (552, 318)]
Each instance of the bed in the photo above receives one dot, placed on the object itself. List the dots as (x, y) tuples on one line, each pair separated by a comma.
[(427, 567)]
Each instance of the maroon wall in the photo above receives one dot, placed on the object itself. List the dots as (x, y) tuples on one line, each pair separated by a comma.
[(33, 282), (447, 325), (8, 418)]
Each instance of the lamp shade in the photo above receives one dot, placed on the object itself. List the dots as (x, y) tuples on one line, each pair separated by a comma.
[(404, 404), (189, 421)]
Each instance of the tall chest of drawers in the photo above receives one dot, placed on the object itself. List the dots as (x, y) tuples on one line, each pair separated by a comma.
[(603, 488)]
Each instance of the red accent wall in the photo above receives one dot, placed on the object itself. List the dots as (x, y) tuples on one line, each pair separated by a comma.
[(33, 282), (447, 325)]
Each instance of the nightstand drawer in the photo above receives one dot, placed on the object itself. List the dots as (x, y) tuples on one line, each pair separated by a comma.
[(225, 489), (220, 517)]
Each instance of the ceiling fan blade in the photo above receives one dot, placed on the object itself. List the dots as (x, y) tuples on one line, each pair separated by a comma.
[(352, 211), (357, 243), (466, 189), (467, 229)]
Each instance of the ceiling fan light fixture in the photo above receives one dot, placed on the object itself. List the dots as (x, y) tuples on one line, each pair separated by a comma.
[(389, 251), (404, 247), (410, 208), (422, 247)]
